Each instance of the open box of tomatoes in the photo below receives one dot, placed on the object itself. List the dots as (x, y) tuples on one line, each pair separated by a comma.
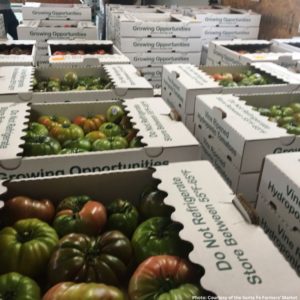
[(170, 235), (84, 52), (40, 140), (60, 84)]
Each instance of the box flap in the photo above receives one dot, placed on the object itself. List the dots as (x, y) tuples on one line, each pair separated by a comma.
[(16, 79), (224, 244), (79, 41), (191, 77), (280, 184), (12, 125), (277, 71), (237, 42), (126, 77), (151, 117)]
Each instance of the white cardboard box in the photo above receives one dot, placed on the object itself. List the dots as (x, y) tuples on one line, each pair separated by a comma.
[(288, 45), (182, 83), (126, 82), (241, 134), (43, 30), (241, 183), (14, 59), (225, 53), (158, 44), (166, 140), (230, 18), (113, 54), (157, 25), (56, 11), (286, 238), (238, 258), (280, 186), (152, 72), (143, 60)]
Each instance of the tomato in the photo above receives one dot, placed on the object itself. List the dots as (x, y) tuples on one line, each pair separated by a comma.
[(151, 204), (22, 207), (26, 247), (217, 76), (81, 258), (113, 143), (158, 236), (14, 286), (136, 142), (41, 145), (88, 291), (59, 53), (165, 277), (122, 216), (89, 124), (70, 78), (110, 129), (66, 132), (35, 130), (80, 214), (48, 121), (95, 135), (115, 113), (81, 143)]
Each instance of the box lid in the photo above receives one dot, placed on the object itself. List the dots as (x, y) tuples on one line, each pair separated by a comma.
[(151, 116), (224, 244), (126, 77), (15, 79)]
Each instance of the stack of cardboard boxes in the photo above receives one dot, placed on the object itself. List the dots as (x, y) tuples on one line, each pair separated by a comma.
[(155, 36), (42, 22)]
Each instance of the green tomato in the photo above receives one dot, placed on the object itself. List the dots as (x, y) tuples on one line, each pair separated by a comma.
[(66, 132), (81, 143), (41, 145), (136, 142), (14, 286), (110, 129), (294, 130), (35, 130), (276, 110), (151, 204), (70, 78), (26, 247), (285, 120), (115, 113), (287, 111), (158, 236), (264, 111), (112, 143), (122, 216)]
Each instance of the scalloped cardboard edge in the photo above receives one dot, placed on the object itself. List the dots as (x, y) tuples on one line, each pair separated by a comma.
[(287, 44), (280, 185), (238, 258), (240, 133), (167, 141), (127, 83)]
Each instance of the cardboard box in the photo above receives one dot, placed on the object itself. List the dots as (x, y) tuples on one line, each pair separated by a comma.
[(157, 25), (224, 243), (43, 30), (17, 59), (152, 72), (182, 83), (125, 82), (240, 133), (166, 140), (159, 44), (287, 239), (225, 53), (112, 54), (143, 60), (229, 18), (288, 45), (113, 11), (280, 187), (241, 183), (57, 11)]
